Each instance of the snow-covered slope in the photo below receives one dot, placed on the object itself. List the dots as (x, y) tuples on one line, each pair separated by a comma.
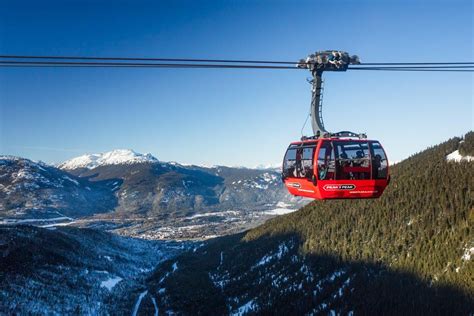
[(72, 271), (114, 157), (271, 166), (34, 190)]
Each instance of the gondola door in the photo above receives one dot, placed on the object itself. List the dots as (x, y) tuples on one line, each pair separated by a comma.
[(347, 169), (327, 185)]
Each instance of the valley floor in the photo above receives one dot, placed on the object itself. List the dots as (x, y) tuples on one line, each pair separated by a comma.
[(196, 226)]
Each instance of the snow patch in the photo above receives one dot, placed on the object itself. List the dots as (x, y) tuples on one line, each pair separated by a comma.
[(270, 166), (267, 177), (138, 302), (110, 283), (155, 305), (282, 250), (247, 307), (282, 204), (9, 221), (457, 157), (208, 214), (280, 211), (468, 254), (71, 180), (174, 267)]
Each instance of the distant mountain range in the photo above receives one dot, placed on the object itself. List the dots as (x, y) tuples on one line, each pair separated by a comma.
[(136, 194)]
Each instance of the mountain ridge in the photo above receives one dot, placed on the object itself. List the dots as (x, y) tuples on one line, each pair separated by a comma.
[(31, 189), (113, 157)]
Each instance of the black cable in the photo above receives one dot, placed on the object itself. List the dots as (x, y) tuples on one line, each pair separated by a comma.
[(132, 66), (152, 59), (411, 69), (148, 65)]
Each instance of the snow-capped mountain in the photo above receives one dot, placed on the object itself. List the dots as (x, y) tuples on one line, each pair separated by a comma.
[(35, 191), (114, 157)]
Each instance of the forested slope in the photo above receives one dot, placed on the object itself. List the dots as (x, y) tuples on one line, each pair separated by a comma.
[(409, 252)]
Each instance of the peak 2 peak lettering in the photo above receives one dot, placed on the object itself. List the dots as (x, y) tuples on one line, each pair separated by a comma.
[(336, 187)]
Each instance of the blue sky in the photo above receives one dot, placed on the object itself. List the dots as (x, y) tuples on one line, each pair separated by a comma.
[(230, 117)]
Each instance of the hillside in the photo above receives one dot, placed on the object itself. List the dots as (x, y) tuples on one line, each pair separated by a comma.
[(409, 252), (30, 191), (65, 270)]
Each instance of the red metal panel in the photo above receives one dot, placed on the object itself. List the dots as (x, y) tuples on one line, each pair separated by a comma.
[(336, 189)]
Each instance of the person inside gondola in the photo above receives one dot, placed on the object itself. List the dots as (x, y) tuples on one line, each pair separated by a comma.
[(358, 158), (343, 163), (360, 161), (376, 166), (298, 166), (307, 162)]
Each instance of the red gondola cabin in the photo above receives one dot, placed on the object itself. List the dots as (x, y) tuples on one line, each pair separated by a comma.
[(335, 168)]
